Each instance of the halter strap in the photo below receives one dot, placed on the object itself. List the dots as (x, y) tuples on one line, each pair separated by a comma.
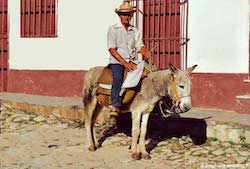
[(177, 96)]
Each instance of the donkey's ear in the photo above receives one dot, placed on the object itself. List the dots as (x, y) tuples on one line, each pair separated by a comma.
[(172, 69), (190, 69)]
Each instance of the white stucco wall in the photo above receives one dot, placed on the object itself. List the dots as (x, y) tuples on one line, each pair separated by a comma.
[(81, 44), (218, 32)]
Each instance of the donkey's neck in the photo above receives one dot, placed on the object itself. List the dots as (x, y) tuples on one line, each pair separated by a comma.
[(161, 81)]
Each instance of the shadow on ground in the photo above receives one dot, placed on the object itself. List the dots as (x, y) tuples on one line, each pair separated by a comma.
[(161, 128)]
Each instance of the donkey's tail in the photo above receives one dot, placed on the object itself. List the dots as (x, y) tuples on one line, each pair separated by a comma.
[(87, 92), (87, 96)]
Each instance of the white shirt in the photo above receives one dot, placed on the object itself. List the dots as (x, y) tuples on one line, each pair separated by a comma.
[(127, 43)]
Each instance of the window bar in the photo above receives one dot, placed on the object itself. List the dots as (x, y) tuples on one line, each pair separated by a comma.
[(52, 13), (33, 15), (158, 44), (174, 33), (148, 20), (25, 17), (153, 31), (50, 18), (167, 32), (170, 28), (182, 15), (186, 51), (146, 23), (45, 18), (28, 15), (56, 18), (184, 41), (179, 34), (164, 33), (183, 34), (39, 18), (22, 18), (36, 19)]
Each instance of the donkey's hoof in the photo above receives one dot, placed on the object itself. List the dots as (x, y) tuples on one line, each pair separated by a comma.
[(92, 148), (136, 156), (98, 145), (146, 156)]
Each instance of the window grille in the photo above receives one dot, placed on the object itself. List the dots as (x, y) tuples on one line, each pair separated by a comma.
[(39, 18), (164, 25)]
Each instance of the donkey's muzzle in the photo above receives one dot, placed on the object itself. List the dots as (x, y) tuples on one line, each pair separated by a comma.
[(185, 104)]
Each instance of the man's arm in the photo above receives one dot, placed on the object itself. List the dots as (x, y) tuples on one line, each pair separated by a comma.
[(117, 56)]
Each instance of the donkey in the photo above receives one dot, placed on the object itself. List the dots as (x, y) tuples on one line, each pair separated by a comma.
[(171, 82)]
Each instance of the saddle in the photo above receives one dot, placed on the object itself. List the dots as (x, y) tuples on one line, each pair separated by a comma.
[(103, 95), (106, 76)]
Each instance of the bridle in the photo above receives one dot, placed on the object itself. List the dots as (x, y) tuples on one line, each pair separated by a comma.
[(175, 100)]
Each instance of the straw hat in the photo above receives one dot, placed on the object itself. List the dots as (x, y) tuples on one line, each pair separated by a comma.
[(125, 7)]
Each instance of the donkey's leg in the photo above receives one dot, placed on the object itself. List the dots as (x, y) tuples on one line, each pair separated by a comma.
[(89, 124), (96, 113), (144, 124), (142, 108), (136, 118)]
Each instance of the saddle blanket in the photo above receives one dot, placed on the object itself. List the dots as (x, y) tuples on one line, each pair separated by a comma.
[(132, 79)]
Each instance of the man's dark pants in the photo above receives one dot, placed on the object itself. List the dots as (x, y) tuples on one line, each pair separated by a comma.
[(117, 72)]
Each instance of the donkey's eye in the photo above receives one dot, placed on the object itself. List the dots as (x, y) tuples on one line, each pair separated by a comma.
[(182, 87)]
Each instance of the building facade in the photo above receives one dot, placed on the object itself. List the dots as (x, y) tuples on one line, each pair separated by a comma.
[(218, 33)]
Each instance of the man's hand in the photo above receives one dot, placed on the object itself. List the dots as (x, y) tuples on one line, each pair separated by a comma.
[(117, 56), (130, 66), (148, 55)]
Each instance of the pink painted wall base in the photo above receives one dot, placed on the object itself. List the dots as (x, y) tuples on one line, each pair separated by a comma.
[(209, 90), (46, 82)]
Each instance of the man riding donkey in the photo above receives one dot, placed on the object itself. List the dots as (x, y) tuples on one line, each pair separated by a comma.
[(136, 95), (124, 42)]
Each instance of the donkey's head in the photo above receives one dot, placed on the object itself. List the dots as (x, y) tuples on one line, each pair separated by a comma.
[(179, 88)]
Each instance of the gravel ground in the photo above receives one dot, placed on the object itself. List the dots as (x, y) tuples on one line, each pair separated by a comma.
[(28, 140)]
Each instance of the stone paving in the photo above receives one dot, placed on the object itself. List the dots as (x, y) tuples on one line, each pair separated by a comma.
[(28, 140)]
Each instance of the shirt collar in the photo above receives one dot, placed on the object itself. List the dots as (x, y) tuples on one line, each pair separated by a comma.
[(119, 25)]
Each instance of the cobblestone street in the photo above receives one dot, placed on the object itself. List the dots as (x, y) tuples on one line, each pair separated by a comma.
[(28, 140)]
